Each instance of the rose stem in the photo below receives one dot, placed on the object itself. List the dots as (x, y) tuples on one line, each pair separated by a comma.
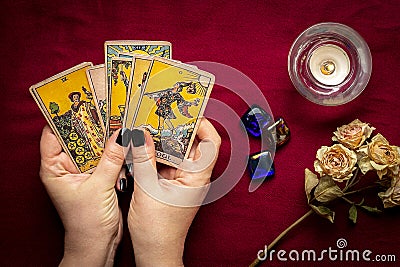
[(359, 190), (349, 183), (280, 236), (348, 201)]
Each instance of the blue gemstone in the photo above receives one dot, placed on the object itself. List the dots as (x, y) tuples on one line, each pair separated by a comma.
[(256, 119), (261, 165)]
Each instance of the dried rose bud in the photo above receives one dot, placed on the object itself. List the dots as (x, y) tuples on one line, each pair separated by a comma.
[(354, 134), (379, 155), (336, 161)]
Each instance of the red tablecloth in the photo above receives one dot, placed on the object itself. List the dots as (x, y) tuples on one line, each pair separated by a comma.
[(42, 38)]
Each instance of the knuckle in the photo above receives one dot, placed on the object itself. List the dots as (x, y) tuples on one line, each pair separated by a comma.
[(143, 156), (114, 156), (42, 174), (45, 172), (214, 139), (218, 140)]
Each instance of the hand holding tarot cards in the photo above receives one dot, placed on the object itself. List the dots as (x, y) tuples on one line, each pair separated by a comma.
[(138, 86)]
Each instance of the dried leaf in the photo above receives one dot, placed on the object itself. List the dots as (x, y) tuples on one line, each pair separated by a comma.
[(353, 214), (311, 181), (373, 210), (327, 190), (364, 163), (324, 212)]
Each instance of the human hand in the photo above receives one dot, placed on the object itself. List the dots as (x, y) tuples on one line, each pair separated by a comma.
[(86, 203), (162, 208)]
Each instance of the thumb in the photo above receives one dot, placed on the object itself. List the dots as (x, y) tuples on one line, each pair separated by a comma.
[(50, 150), (111, 161), (144, 160)]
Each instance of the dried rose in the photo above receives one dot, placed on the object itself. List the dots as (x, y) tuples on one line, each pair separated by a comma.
[(336, 161), (391, 197), (379, 155), (354, 134)]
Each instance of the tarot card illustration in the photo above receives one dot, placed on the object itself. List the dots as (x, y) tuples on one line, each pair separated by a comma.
[(148, 48), (120, 79), (67, 102), (97, 83), (140, 67), (174, 97)]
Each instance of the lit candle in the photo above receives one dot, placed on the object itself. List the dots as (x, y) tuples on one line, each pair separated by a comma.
[(329, 64)]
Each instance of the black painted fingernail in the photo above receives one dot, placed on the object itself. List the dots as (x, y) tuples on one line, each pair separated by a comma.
[(129, 170), (137, 137), (122, 184), (124, 137)]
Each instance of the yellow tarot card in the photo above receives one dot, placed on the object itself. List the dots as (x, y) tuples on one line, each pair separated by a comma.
[(67, 103), (140, 70), (173, 99), (149, 48), (120, 80), (97, 83), (140, 67), (139, 47)]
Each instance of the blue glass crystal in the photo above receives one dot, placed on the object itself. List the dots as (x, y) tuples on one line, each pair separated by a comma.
[(256, 119), (261, 165)]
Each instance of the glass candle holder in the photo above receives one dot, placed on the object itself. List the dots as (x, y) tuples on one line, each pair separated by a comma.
[(329, 64)]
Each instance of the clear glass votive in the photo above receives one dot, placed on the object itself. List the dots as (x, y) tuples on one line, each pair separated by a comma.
[(330, 64)]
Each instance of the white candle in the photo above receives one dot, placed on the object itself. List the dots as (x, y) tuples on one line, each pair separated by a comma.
[(329, 64)]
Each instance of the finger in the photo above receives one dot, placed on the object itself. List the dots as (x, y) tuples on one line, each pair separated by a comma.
[(193, 149), (205, 157), (143, 150), (144, 160), (49, 145), (54, 161), (207, 131), (167, 172), (122, 182), (111, 161), (206, 134), (205, 152)]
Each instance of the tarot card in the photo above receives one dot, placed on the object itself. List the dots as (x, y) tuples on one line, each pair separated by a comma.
[(67, 103), (149, 48), (140, 67), (131, 55), (120, 79), (97, 83), (173, 99), (126, 55)]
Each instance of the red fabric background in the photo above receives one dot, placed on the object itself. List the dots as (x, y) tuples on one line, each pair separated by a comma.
[(42, 38)]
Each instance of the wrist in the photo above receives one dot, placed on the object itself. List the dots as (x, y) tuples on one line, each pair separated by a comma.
[(161, 258), (85, 250), (163, 251)]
